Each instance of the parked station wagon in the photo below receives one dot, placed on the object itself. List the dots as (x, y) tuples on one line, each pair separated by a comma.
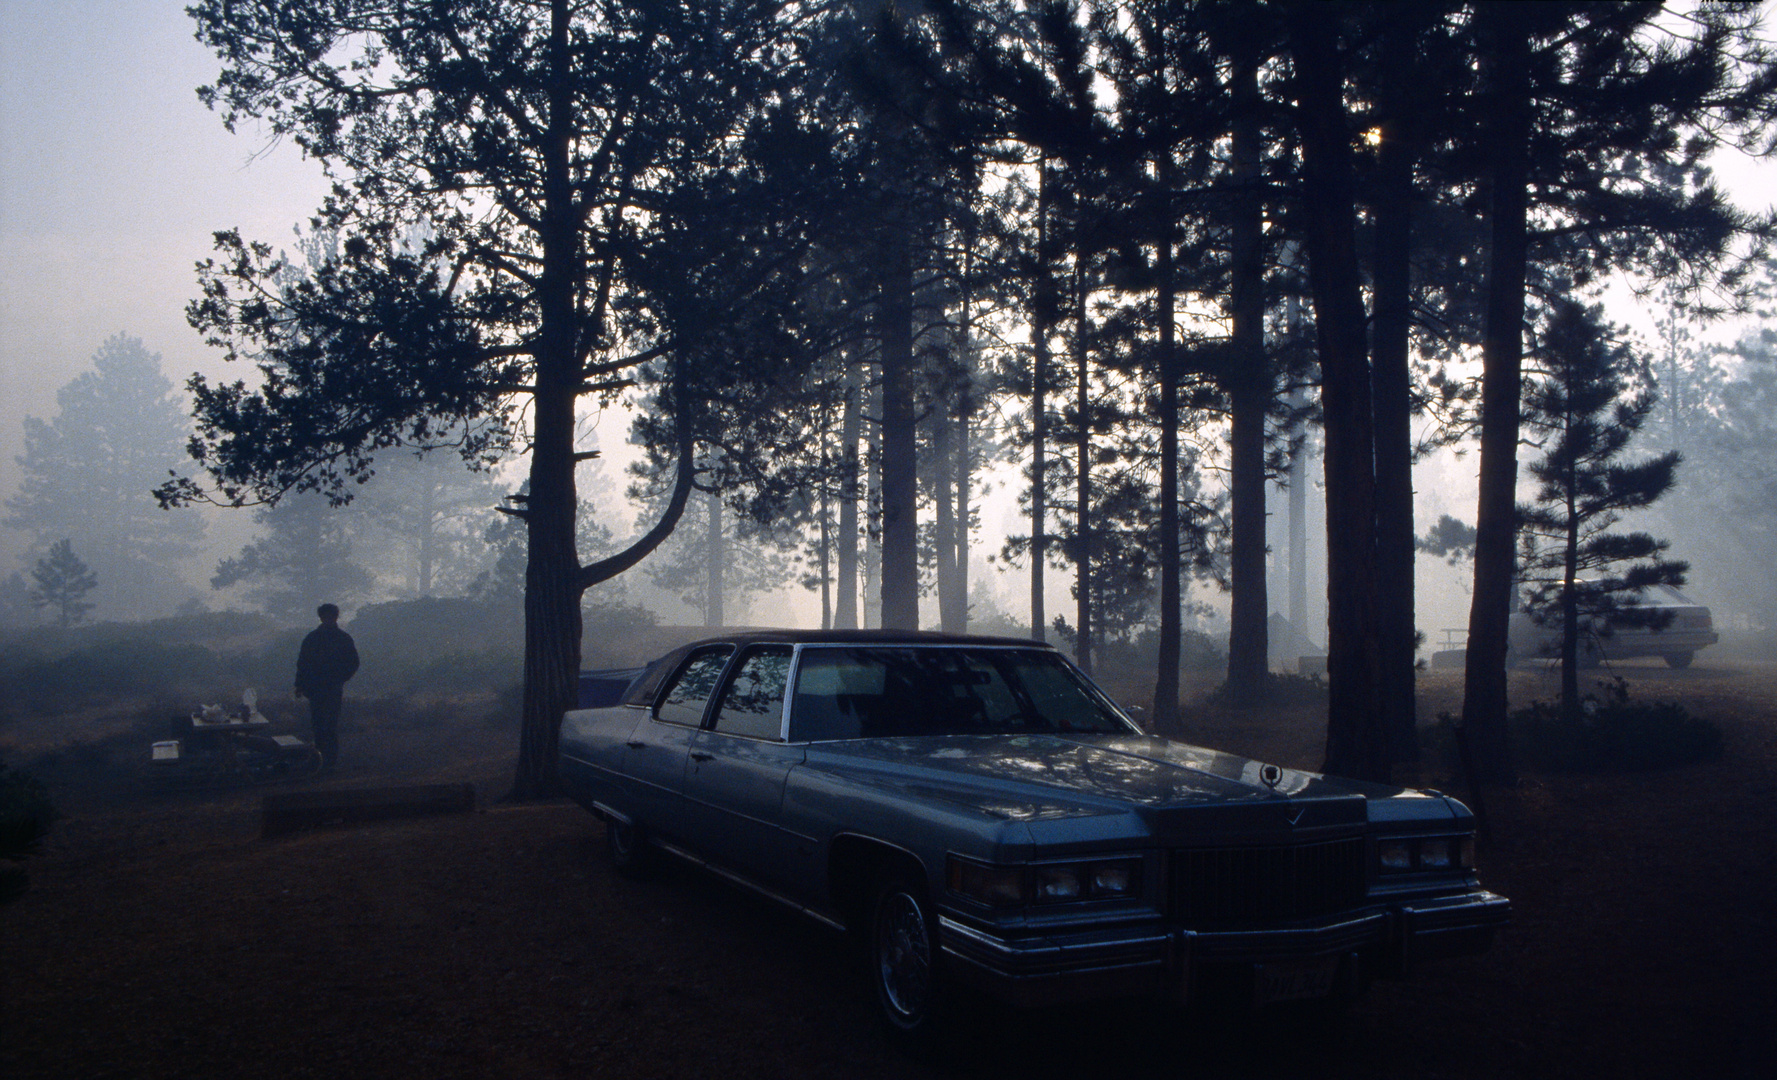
[(981, 815), (1659, 622)]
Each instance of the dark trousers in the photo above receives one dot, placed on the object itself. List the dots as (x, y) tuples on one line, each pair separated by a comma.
[(324, 715)]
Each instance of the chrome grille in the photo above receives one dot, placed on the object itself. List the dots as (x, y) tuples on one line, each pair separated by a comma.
[(1252, 885)]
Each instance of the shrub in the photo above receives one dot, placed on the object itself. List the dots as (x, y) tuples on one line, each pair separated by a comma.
[(1198, 653), (1281, 688), (1613, 734), (25, 817), (25, 813)]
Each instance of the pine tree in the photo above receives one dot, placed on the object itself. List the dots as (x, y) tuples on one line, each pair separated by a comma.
[(61, 581), (304, 556), (1578, 572), (89, 473), (612, 188)]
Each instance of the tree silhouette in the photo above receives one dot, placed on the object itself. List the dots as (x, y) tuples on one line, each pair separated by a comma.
[(602, 188), (1578, 572), (304, 556), (61, 581), (1593, 125), (90, 472)]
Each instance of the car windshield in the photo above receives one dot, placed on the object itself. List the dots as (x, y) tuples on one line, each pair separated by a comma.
[(852, 692)]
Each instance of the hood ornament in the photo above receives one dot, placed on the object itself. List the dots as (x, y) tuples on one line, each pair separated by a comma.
[(1271, 775)]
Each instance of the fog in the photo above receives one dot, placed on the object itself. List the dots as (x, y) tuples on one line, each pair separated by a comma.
[(112, 179)]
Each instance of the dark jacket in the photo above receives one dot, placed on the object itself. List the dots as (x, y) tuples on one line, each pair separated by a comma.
[(328, 658)]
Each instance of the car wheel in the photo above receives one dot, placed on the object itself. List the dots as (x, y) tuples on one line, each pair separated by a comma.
[(903, 954), (1680, 659), (627, 846)]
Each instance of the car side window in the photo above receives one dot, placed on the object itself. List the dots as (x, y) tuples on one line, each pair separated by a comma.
[(837, 692), (753, 704), (691, 689), (646, 689)]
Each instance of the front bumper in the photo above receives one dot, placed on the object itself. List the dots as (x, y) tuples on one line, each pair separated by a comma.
[(1154, 958)]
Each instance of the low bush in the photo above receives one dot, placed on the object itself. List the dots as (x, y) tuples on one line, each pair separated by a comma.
[(1613, 734), (25, 813), (1198, 653), (1279, 688)]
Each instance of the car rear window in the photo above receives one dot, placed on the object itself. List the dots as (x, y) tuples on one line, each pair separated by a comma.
[(689, 695)]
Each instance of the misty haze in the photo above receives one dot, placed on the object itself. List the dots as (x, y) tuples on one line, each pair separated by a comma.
[(1376, 391)]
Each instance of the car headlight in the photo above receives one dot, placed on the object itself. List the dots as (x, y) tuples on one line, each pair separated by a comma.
[(995, 886), (1057, 883), (1120, 877), (1406, 854), (1434, 854), (1396, 855), (1044, 883)]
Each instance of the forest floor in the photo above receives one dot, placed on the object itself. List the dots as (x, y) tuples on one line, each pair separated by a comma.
[(161, 936)]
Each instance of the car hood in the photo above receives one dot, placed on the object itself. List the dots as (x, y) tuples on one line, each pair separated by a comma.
[(1040, 777)]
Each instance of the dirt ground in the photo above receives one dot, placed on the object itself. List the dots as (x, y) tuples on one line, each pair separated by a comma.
[(162, 937)]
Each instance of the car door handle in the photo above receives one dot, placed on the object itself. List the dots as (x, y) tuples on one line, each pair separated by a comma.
[(698, 756), (635, 744)]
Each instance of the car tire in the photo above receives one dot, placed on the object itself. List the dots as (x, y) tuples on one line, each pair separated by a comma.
[(628, 847), (1680, 659), (901, 946)]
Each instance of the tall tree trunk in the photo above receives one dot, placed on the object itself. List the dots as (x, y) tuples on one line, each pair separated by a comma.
[(1484, 700), (717, 554), (1248, 384), (1166, 679), (872, 592), (825, 540), (1299, 532), (1570, 607), (900, 480), (944, 516), (1298, 500), (551, 595), (965, 466), (554, 578), (845, 611), (1083, 595), (1356, 746), (1392, 387), (1042, 323), (965, 421)]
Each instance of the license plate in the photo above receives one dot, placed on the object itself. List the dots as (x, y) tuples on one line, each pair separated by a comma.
[(1296, 981)]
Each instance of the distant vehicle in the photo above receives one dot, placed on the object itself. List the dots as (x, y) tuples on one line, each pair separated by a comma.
[(1682, 626), (978, 813)]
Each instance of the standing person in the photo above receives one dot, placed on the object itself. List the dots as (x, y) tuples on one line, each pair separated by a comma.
[(328, 658)]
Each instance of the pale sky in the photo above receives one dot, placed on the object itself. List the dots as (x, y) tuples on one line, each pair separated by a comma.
[(113, 176)]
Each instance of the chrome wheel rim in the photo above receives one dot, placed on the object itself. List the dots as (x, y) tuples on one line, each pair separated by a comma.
[(903, 957)]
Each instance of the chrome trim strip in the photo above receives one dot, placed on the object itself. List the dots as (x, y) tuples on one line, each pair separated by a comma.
[(612, 812), (752, 818), (748, 884), (1465, 912), (1049, 956)]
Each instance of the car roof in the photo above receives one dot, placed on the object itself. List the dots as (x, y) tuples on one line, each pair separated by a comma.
[(860, 637), (645, 688)]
